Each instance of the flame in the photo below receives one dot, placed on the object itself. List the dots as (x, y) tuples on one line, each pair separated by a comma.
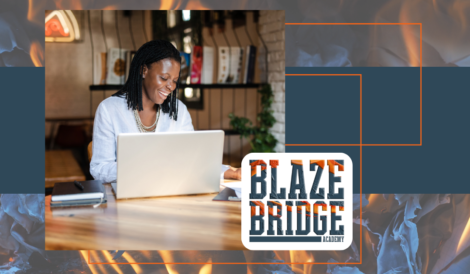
[(410, 38), (36, 11), (196, 5), (297, 256), (85, 258), (37, 54), (378, 204), (70, 4), (109, 258), (408, 48), (167, 256), (373, 198), (129, 258), (459, 9), (147, 254), (368, 242), (301, 256), (31, 11), (94, 257), (465, 236), (207, 268), (164, 5), (446, 22), (170, 5)]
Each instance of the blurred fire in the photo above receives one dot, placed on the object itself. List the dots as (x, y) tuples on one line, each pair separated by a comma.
[(378, 203), (465, 236), (36, 11), (109, 258), (70, 4), (167, 256), (459, 9), (39, 6), (129, 258), (207, 268), (170, 5), (302, 256), (93, 268), (407, 48), (410, 37), (37, 54), (445, 36), (294, 257)]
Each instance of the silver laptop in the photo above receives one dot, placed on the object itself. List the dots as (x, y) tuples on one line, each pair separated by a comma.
[(169, 163)]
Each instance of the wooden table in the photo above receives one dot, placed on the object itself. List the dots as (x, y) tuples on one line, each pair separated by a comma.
[(192, 222), (61, 166)]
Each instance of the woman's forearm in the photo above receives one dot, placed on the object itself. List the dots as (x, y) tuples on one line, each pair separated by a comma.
[(233, 173), (104, 171)]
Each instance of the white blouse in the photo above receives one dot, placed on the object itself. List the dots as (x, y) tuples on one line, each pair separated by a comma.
[(112, 118)]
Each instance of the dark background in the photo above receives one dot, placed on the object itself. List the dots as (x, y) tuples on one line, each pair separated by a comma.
[(325, 110)]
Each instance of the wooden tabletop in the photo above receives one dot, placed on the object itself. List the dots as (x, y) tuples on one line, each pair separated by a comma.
[(192, 222), (61, 166)]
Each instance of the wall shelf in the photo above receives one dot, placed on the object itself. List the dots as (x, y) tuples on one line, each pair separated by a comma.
[(202, 86)]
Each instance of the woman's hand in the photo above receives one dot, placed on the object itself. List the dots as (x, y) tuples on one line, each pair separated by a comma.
[(233, 173)]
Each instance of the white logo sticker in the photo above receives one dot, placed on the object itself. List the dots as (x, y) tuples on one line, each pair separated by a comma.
[(297, 201)]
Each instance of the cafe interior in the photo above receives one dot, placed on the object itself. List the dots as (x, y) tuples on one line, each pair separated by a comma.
[(78, 55)]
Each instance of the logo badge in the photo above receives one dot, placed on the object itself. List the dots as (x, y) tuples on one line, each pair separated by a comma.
[(297, 201)]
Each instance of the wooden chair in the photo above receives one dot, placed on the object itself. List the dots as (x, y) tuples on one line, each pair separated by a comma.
[(61, 166), (70, 136), (90, 151)]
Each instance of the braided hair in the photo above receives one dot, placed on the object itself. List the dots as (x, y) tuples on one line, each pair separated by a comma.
[(148, 54)]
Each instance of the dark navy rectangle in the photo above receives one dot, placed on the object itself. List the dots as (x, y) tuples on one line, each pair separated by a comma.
[(23, 130), (393, 117), (282, 239)]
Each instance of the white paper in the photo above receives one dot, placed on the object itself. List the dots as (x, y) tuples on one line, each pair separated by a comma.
[(236, 186)]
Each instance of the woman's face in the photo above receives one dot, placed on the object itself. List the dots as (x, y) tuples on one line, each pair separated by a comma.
[(160, 80)]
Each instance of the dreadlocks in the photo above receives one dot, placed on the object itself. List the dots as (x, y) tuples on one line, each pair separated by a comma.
[(147, 54)]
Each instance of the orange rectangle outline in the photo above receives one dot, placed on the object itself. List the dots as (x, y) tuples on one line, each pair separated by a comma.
[(360, 146), (420, 85), (360, 204)]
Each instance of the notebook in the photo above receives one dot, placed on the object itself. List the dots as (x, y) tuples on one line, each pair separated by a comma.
[(70, 192), (75, 203)]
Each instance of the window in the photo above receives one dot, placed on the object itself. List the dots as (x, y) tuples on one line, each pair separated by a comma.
[(186, 15)]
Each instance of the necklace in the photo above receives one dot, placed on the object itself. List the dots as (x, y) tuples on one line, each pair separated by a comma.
[(141, 126)]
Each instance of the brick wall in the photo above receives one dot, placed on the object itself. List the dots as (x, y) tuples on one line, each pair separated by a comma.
[(272, 30)]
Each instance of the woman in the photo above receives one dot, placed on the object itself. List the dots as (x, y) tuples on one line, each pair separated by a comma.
[(146, 103)]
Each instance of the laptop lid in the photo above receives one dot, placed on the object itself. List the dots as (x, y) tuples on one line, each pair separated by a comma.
[(168, 163)]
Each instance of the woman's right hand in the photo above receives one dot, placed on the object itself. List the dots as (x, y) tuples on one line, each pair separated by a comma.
[(233, 173)]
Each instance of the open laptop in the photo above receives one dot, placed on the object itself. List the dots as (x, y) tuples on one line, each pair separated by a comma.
[(168, 163)]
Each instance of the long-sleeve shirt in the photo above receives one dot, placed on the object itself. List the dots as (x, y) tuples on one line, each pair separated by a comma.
[(114, 117)]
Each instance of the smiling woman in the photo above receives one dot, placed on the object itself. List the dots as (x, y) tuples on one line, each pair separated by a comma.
[(146, 103)]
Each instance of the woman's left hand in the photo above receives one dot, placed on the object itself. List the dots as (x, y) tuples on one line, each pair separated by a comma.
[(233, 173)]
